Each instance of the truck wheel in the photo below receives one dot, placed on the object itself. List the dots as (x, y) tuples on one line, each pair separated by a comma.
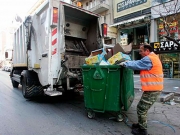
[(91, 114), (119, 118), (25, 89), (14, 83)]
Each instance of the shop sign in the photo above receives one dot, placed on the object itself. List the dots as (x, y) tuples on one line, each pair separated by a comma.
[(129, 4), (112, 32), (173, 28), (165, 46)]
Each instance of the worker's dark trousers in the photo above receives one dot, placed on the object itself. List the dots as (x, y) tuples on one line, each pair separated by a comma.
[(147, 100)]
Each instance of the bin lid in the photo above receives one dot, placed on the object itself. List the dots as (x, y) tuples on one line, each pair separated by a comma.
[(101, 66)]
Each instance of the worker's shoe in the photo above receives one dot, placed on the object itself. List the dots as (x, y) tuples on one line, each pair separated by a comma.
[(135, 125), (139, 131)]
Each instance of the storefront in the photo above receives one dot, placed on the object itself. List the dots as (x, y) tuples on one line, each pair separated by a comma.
[(168, 50), (169, 54), (132, 20)]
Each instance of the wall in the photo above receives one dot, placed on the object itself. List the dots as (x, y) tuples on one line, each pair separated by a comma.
[(108, 15)]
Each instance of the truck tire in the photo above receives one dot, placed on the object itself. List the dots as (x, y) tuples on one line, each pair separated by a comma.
[(31, 87), (14, 83), (26, 91)]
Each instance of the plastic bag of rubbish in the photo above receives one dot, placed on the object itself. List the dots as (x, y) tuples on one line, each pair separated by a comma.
[(171, 102), (95, 59)]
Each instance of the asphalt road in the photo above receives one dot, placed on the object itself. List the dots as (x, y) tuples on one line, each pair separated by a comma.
[(62, 116), (50, 115)]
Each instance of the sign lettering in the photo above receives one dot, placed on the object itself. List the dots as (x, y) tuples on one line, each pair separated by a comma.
[(129, 4), (165, 46)]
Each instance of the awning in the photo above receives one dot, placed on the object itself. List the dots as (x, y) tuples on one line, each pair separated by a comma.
[(130, 20)]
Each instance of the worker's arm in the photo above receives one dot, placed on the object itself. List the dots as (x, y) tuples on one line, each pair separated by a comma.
[(143, 64)]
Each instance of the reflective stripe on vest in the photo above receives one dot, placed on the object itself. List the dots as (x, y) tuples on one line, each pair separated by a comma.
[(150, 76), (152, 80), (151, 83)]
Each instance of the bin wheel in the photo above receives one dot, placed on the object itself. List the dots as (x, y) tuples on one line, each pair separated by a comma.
[(91, 115), (119, 118)]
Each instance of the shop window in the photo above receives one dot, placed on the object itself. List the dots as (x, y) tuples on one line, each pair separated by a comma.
[(174, 28), (136, 36), (171, 65), (142, 35)]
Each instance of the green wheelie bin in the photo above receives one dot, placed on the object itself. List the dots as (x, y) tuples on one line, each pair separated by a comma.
[(127, 88), (104, 89)]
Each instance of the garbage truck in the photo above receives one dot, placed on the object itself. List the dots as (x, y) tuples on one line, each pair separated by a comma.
[(50, 46)]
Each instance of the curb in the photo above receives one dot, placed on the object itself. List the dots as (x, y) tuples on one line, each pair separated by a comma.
[(163, 92)]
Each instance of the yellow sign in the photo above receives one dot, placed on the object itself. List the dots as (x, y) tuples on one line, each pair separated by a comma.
[(161, 26), (173, 24), (156, 45)]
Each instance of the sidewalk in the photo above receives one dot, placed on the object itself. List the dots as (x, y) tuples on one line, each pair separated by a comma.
[(169, 84), (163, 119)]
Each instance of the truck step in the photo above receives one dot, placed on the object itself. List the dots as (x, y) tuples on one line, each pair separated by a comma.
[(53, 93)]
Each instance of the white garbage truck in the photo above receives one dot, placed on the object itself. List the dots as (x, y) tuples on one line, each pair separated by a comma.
[(51, 45)]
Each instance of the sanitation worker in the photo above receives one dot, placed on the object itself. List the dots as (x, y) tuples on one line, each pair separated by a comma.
[(151, 76)]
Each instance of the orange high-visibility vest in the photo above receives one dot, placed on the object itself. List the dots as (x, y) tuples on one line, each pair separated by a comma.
[(152, 80)]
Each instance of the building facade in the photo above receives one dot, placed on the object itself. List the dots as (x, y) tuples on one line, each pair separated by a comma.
[(105, 9), (168, 50), (132, 19), (140, 21)]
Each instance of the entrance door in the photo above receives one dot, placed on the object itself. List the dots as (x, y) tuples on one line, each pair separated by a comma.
[(171, 65)]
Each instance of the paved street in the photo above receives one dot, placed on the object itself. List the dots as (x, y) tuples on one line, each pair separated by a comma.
[(169, 84), (57, 116), (161, 116), (50, 116)]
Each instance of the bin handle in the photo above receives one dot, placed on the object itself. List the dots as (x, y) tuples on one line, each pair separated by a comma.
[(93, 89), (98, 111), (96, 89), (86, 87), (86, 70), (112, 70)]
